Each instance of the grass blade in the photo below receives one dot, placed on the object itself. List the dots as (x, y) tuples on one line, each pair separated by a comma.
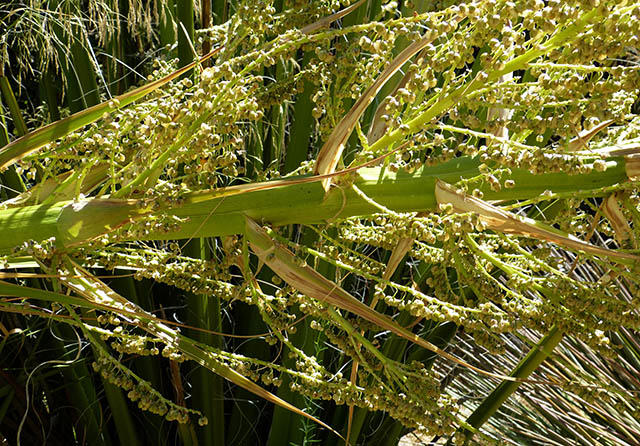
[(528, 365), (14, 108)]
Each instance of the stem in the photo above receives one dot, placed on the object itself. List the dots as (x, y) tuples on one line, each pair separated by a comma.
[(222, 212), (184, 12)]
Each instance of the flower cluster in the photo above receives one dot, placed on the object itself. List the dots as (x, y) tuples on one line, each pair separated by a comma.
[(142, 392)]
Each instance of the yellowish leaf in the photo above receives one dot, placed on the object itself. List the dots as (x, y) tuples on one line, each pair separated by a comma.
[(580, 141), (632, 166), (326, 21), (503, 221), (616, 218)]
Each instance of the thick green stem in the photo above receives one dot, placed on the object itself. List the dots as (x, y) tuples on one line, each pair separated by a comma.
[(302, 125), (218, 213), (205, 312), (167, 20)]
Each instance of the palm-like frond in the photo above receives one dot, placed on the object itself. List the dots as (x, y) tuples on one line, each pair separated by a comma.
[(481, 181)]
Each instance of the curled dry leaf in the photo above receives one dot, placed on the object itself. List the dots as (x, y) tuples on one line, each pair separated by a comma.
[(632, 166), (616, 218), (398, 253), (503, 221), (580, 141)]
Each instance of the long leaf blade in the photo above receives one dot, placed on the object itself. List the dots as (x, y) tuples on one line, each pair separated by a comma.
[(332, 149)]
